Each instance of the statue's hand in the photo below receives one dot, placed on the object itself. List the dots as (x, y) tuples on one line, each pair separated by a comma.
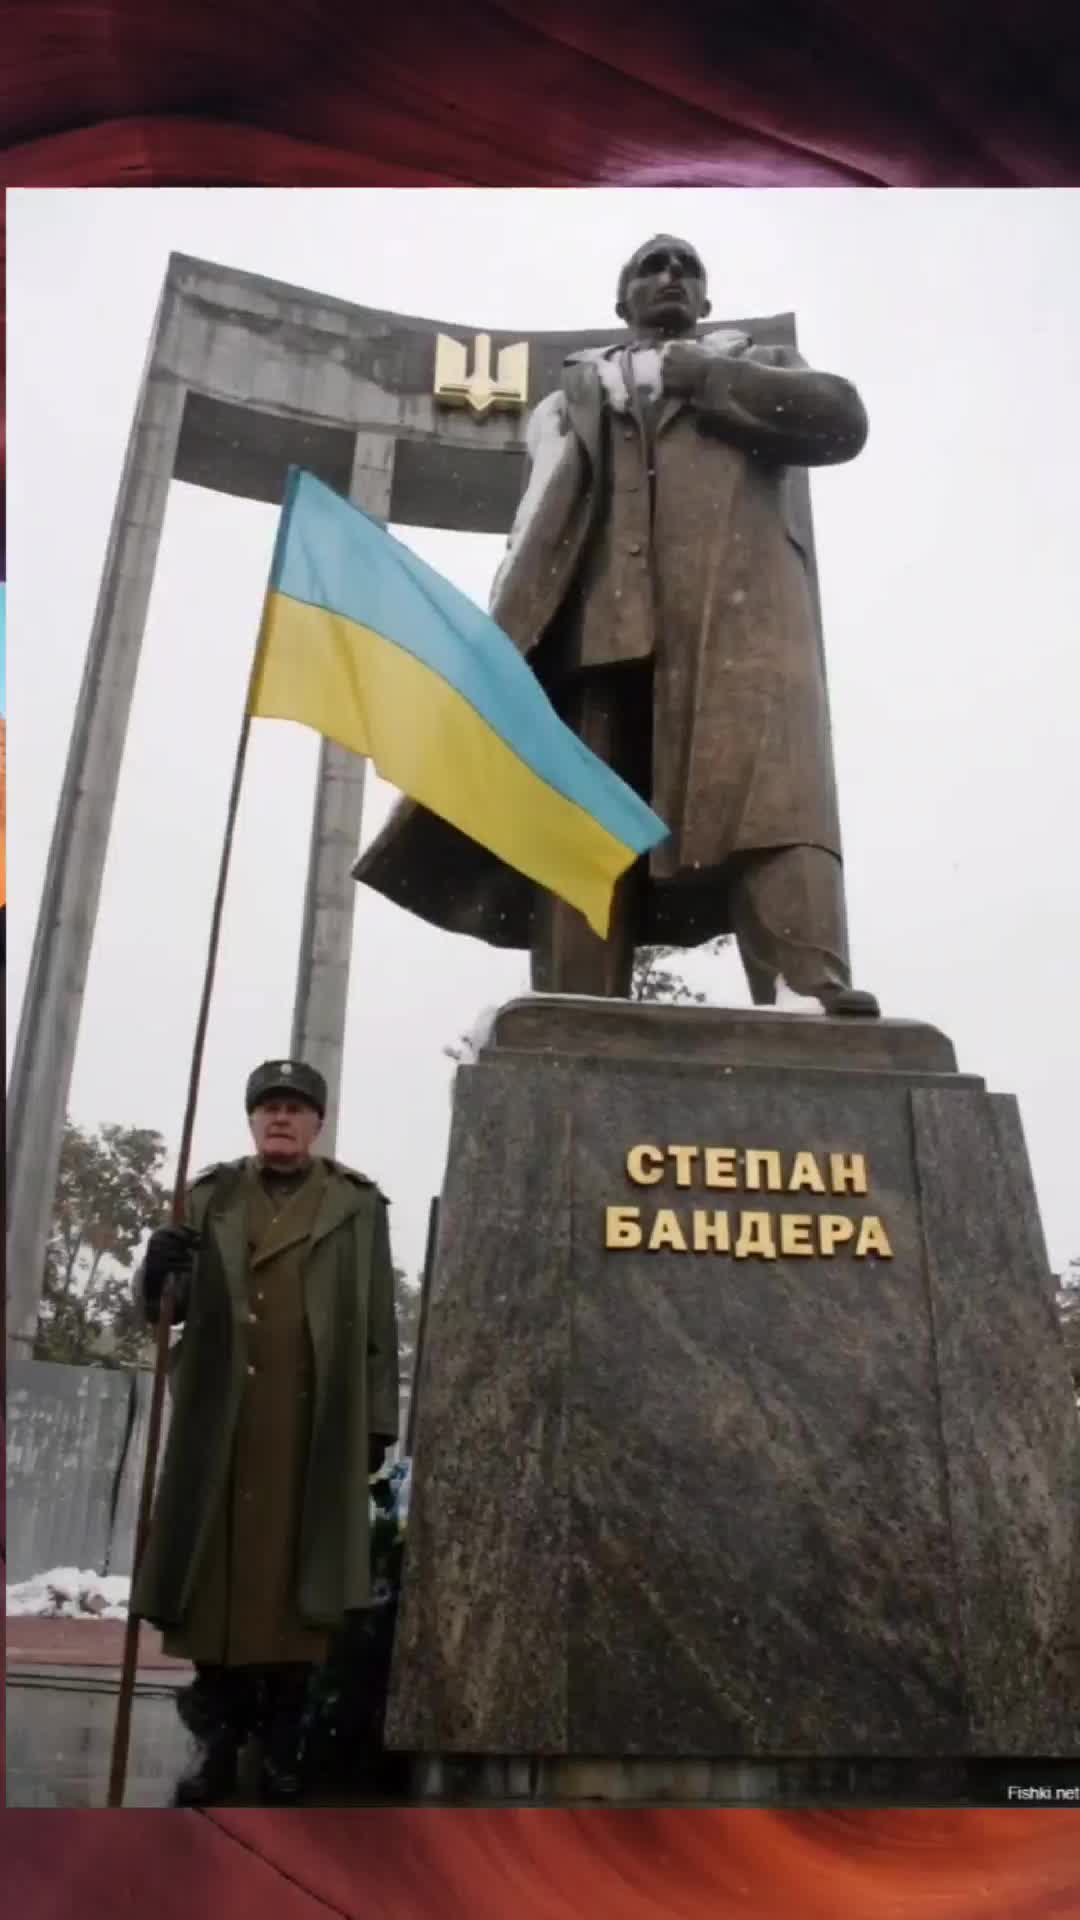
[(683, 364)]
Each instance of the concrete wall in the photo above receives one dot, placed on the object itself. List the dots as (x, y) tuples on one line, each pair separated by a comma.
[(59, 1738), (76, 1439)]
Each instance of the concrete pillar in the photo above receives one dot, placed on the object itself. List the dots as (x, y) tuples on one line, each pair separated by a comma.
[(56, 981), (322, 986)]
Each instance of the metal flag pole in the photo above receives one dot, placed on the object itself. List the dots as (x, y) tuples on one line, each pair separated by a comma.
[(129, 1667)]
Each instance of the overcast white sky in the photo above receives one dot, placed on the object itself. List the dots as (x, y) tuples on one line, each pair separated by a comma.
[(949, 562)]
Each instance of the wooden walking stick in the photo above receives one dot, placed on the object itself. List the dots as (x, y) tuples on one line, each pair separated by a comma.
[(129, 1668)]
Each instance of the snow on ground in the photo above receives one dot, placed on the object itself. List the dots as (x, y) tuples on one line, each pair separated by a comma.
[(71, 1594)]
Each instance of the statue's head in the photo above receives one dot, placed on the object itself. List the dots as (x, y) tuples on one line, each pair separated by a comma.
[(662, 287)]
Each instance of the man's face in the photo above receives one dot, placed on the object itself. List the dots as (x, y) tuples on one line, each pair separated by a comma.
[(284, 1129), (665, 290)]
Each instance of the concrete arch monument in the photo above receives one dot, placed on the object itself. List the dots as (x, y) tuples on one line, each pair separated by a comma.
[(245, 376)]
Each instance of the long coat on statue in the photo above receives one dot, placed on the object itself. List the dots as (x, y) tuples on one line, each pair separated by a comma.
[(656, 545), (288, 1362)]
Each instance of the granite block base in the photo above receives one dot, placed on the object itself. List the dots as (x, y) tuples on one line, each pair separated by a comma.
[(764, 1481)]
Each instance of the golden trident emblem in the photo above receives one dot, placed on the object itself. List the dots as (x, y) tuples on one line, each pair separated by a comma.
[(456, 387)]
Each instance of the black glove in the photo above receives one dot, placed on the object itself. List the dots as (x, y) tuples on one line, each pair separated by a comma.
[(377, 1449), (170, 1255)]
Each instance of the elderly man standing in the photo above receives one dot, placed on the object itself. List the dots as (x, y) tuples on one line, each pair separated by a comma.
[(657, 582), (285, 1401)]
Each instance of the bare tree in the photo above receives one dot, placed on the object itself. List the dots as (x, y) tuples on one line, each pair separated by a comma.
[(655, 979), (1068, 1304)]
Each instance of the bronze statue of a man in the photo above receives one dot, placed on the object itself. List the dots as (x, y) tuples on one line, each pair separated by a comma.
[(657, 583)]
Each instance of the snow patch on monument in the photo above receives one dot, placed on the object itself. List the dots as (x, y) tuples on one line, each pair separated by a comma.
[(467, 1050), (724, 340), (545, 441), (788, 1001), (549, 425), (646, 364), (610, 369)]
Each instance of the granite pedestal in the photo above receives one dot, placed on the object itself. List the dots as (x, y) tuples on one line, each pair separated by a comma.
[(777, 1484)]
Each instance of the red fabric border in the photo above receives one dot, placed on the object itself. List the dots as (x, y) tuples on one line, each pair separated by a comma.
[(561, 93)]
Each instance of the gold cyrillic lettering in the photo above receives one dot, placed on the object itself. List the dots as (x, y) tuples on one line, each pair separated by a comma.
[(755, 1236), (622, 1226), (684, 1158), (720, 1167), (667, 1232), (711, 1230), (763, 1160), (796, 1234), (872, 1238), (848, 1172), (832, 1228), (645, 1165), (805, 1172)]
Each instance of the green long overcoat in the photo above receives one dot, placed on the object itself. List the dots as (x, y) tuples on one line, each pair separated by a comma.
[(348, 1297)]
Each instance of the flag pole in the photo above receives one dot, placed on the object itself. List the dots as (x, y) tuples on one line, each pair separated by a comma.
[(129, 1667), (130, 1662)]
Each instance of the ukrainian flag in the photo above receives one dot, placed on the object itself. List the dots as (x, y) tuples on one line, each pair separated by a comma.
[(374, 649)]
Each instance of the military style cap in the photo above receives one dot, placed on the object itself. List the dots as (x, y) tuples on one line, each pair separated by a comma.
[(286, 1076)]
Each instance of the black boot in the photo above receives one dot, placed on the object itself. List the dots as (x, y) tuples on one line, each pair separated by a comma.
[(213, 1777), (219, 1710), (281, 1776)]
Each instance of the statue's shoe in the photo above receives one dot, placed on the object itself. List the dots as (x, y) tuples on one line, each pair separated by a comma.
[(849, 1003)]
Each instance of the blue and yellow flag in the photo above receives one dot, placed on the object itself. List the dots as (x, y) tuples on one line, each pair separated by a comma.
[(374, 649)]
